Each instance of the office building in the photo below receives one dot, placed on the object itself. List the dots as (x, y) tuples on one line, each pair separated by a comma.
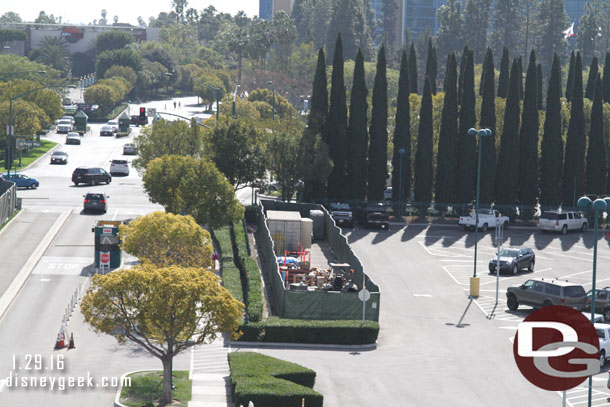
[(267, 8)]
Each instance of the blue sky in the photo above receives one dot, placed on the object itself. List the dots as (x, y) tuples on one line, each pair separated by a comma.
[(76, 12)]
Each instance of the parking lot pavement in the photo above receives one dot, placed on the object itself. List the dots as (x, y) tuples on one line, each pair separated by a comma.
[(579, 396)]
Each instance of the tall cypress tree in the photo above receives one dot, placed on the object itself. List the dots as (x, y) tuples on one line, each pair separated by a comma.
[(596, 154), (423, 155), (503, 78), (528, 142), (593, 71), (551, 149), (336, 126), (539, 82), (431, 68), (488, 120), (606, 78), (520, 64), (402, 135), (572, 185), (483, 72), (357, 133), (466, 161), (313, 186), (508, 159), (570, 81), (461, 73), (413, 68), (446, 159), (378, 148)]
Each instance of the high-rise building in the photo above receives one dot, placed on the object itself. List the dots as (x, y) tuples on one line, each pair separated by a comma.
[(420, 14), (267, 8), (377, 6)]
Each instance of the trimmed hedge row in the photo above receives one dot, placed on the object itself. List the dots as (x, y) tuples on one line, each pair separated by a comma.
[(271, 382), (336, 332), (231, 278), (249, 271)]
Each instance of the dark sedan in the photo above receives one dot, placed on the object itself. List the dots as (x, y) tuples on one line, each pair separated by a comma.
[(95, 201), (513, 259)]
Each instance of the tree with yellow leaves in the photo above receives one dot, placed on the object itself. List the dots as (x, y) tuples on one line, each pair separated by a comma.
[(164, 310), (165, 239)]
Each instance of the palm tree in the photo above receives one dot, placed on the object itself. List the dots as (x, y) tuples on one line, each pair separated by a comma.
[(53, 51)]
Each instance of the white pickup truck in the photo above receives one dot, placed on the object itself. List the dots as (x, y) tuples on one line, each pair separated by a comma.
[(603, 332), (488, 218)]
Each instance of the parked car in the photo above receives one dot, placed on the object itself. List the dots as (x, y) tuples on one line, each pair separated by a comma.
[(64, 126), (603, 333), (22, 180), (107, 131), (129, 149), (91, 176), (488, 219), (73, 138), (513, 259), (59, 157), (95, 201), (602, 302), (69, 118), (375, 215), (119, 167), (114, 124), (342, 214), (538, 292), (556, 221)]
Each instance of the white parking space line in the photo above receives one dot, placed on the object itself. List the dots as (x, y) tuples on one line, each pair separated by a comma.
[(576, 274), (580, 396), (487, 303)]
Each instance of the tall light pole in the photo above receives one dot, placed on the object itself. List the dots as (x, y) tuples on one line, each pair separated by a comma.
[(273, 101), (474, 280), (599, 205), (234, 110), (402, 153)]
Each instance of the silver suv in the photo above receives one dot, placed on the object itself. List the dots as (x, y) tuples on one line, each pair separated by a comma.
[(555, 221), (538, 292)]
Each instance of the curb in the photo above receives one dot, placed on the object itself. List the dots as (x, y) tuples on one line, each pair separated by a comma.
[(302, 346), (117, 397), (13, 289)]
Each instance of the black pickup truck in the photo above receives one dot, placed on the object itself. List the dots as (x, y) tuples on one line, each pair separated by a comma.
[(135, 119), (375, 215)]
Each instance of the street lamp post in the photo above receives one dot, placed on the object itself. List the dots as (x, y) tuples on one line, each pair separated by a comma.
[(402, 153), (599, 205), (474, 281), (272, 101)]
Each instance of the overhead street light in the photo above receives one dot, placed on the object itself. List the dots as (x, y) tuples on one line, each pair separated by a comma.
[(474, 280)]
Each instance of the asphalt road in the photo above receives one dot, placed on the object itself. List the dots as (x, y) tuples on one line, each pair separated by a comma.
[(423, 358)]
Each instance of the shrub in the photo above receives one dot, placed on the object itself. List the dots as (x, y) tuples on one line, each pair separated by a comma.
[(231, 278), (272, 382), (249, 271), (338, 332)]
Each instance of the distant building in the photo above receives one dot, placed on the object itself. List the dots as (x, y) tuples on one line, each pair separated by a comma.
[(80, 38), (267, 8), (420, 14)]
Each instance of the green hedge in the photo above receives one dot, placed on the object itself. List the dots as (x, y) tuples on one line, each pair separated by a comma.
[(12, 35), (337, 332), (249, 270), (271, 382)]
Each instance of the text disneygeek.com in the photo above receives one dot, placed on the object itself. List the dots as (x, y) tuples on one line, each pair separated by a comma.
[(60, 383)]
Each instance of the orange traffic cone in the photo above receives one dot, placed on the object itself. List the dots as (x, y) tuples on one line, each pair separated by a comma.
[(60, 344), (71, 345)]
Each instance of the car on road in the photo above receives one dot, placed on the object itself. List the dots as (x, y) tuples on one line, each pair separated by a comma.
[(95, 201), (375, 215), (22, 180), (69, 118), (106, 131), (555, 221), (64, 126), (72, 138), (59, 157), (540, 292), (119, 167), (513, 259), (114, 124), (91, 176), (602, 302), (129, 149)]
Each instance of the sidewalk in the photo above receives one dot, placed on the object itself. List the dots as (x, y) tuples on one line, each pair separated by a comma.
[(210, 371)]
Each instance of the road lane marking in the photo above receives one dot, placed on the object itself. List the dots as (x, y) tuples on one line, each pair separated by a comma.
[(422, 295)]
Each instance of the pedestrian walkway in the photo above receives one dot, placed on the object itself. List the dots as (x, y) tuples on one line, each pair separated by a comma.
[(210, 375)]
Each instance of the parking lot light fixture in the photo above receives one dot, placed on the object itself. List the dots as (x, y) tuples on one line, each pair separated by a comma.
[(474, 291), (599, 205)]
